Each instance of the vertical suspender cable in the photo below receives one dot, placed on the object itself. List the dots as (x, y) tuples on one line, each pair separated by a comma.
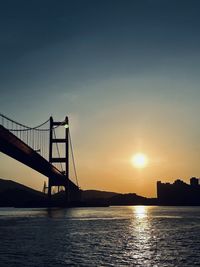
[(73, 160)]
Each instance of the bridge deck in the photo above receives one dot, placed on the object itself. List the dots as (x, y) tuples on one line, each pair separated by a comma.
[(17, 149)]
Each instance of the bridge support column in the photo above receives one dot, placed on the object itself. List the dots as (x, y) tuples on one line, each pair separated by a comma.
[(65, 159), (49, 193)]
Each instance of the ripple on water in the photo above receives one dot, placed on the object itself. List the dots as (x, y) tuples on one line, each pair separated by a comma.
[(115, 236)]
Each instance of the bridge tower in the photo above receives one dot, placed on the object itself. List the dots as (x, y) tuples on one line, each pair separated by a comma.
[(54, 141)]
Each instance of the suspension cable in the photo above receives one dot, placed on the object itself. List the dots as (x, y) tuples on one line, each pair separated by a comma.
[(25, 126), (73, 159)]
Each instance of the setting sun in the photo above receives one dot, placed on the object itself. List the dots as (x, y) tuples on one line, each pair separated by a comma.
[(139, 160)]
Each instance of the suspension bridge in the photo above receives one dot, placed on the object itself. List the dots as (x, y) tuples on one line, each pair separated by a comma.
[(46, 148)]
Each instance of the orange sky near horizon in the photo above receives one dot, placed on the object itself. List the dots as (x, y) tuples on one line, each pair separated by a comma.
[(108, 166)]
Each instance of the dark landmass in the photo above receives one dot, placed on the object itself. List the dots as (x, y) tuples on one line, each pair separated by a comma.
[(13, 194), (111, 198), (179, 193), (131, 199), (95, 194)]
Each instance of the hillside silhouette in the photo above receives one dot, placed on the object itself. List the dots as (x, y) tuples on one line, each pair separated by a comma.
[(13, 194)]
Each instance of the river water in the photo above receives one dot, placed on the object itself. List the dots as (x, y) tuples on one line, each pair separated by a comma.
[(111, 236)]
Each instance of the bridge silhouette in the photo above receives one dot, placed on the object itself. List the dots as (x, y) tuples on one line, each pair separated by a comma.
[(46, 149)]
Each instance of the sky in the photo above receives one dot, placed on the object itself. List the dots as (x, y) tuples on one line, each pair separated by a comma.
[(126, 72)]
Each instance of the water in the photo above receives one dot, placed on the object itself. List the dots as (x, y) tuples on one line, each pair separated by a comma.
[(113, 236)]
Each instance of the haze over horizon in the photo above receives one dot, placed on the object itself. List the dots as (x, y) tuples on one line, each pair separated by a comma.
[(126, 73)]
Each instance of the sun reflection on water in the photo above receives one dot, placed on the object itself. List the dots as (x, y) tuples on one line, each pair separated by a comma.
[(141, 246), (140, 212)]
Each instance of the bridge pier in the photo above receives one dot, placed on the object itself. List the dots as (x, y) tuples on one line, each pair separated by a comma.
[(49, 190)]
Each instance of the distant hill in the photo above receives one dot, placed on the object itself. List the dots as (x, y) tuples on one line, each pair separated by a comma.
[(10, 185), (131, 199), (92, 197), (13, 194), (96, 194)]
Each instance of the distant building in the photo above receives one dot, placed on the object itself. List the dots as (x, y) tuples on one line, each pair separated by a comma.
[(194, 181), (179, 193)]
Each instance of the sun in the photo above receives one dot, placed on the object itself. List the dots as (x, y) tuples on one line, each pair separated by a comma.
[(139, 160)]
